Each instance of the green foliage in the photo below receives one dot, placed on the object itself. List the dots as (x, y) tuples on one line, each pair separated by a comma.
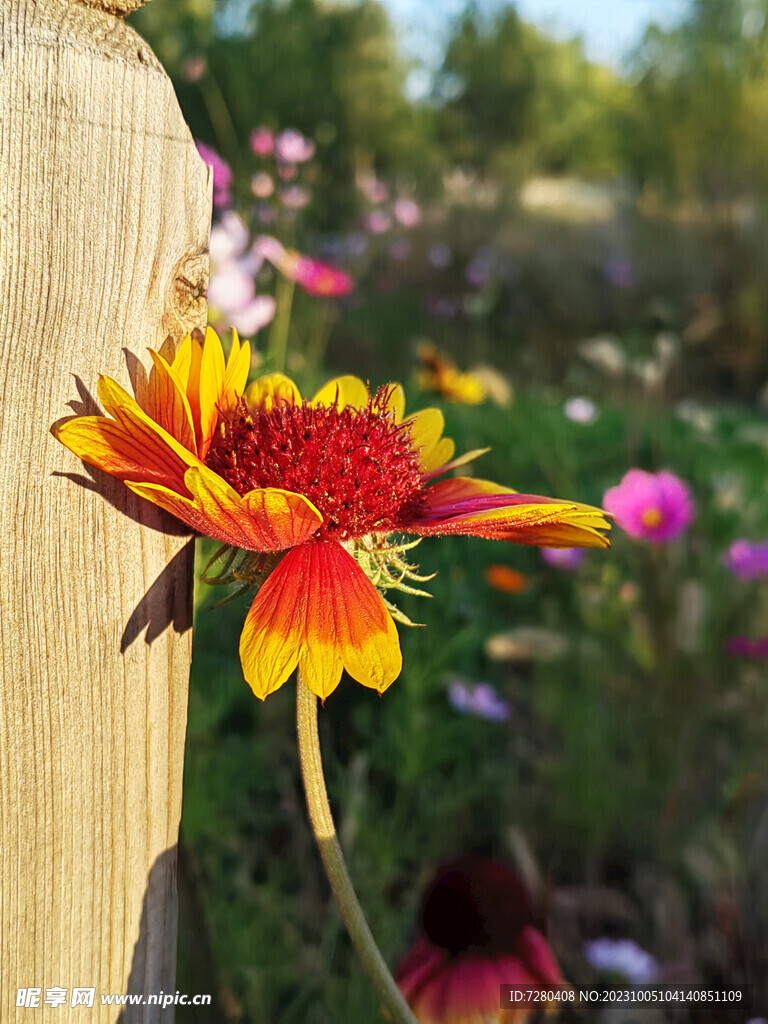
[(630, 740)]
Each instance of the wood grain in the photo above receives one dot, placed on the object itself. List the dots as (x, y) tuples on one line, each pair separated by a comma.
[(104, 220)]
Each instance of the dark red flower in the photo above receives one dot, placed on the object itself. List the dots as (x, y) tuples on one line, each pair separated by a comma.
[(477, 933)]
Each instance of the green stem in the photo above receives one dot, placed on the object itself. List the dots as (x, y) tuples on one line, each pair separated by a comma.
[(333, 859), (278, 335)]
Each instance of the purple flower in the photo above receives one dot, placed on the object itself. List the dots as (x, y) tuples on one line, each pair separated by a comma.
[(747, 647), (400, 249), (624, 957), (292, 148), (262, 141), (478, 699), (222, 174), (439, 255), (619, 273), (657, 507), (568, 559), (747, 560), (356, 243)]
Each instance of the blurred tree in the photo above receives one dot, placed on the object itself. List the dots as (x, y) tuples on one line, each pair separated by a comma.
[(509, 95), (333, 71), (701, 97)]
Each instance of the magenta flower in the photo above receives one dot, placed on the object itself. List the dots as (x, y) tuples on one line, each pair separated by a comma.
[(651, 506), (747, 560), (568, 559), (262, 141), (747, 647), (314, 277), (222, 174), (292, 148)]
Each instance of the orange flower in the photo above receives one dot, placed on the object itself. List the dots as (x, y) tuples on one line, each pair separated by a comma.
[(509, 581), (323, 482)]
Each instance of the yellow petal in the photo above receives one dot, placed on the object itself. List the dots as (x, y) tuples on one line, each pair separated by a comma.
[(268, 391), (211, 384), (461, 460), (182, 361), (236, 375), (427, 437), (166, 402), (343, 391), (396, 402)]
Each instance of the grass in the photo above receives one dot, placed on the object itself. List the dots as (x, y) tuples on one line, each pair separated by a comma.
[(635, 761)]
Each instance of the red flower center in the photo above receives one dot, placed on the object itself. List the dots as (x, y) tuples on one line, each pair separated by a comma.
[(357, 466)]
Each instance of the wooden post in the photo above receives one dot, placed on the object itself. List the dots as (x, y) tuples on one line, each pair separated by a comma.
[(104, 220)]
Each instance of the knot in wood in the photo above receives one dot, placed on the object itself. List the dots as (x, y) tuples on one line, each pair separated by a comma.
[(189, 290)]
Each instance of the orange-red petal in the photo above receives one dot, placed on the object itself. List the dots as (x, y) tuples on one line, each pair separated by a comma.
[(480, 508), (128, 453), (267, 519), (319, 611), (132, 446)]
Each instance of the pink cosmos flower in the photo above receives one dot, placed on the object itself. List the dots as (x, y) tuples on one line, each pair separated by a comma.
[(231, 290), (568, 559), (407, 212), (249, 319), (222, 174), (291, 147), (262, 185), (314, 277), (295, 197), (656, 507), (746, 559), (375, 191), (477, 933), (378, 222), (262, 141), (193, 68)]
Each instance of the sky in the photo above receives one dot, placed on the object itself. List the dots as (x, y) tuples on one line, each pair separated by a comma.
[(609, 28)]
